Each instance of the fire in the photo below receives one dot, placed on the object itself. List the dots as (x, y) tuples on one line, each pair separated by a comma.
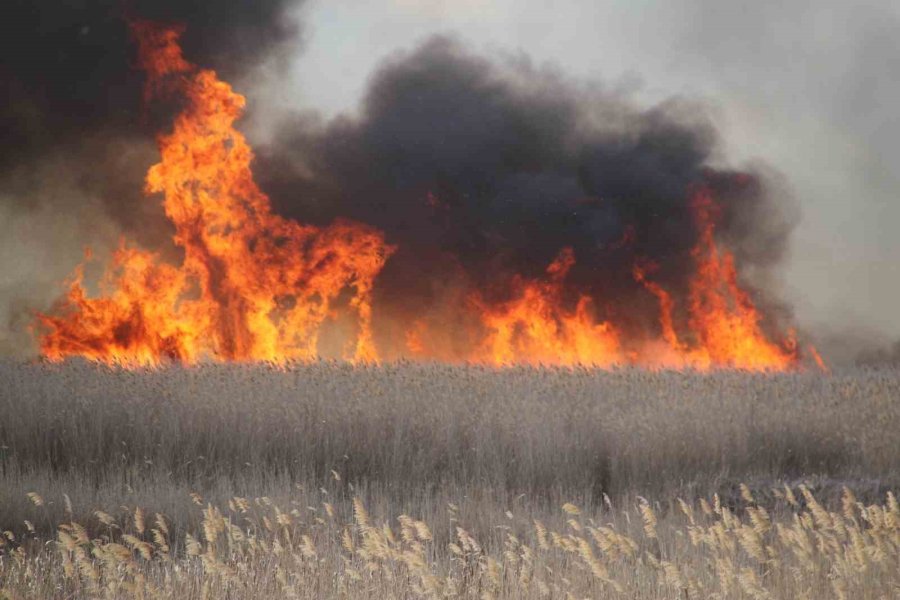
[(255, 286), (722, 314), (252, 285), (536, 327), (723, 319)]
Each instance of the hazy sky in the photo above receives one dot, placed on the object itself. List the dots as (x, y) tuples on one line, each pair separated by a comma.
[(812, 89)]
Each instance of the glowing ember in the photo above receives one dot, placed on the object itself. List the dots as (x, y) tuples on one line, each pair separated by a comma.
[(252, 285)]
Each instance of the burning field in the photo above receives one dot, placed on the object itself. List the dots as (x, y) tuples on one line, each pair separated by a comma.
[(625, 249), (496, 334)]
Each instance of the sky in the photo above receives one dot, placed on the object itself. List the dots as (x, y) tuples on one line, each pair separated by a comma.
[(809, 89)]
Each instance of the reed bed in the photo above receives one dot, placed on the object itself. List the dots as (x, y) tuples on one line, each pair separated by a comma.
[(271, 469), (256, 548)]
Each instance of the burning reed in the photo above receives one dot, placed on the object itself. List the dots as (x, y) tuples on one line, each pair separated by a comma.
[(253, 285)]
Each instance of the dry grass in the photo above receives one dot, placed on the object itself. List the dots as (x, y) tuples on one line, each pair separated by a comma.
[(258, 549), (505, 448)]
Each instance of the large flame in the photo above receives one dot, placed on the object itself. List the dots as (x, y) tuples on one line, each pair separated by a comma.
[(255, 286), (723, 320), (536, 327), (252, 285)]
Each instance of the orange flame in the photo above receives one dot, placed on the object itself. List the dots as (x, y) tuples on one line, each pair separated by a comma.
[(535, 327), (252, 284), (817, 358), (723, 325), (666, 306), (255, 286), (723, 316), (723, 319)]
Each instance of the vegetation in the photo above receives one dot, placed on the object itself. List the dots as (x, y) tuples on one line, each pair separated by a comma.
[(518, 483), (257, 549)]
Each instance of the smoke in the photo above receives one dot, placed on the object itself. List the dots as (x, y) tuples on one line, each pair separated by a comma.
[(68, 67), (39, 246), (479, 169), (76, 141), (476, 168)]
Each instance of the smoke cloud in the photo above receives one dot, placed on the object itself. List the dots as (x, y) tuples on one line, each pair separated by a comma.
[(69, 69), (489, 168)]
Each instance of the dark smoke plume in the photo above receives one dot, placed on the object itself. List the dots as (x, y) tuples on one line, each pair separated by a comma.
[(489, 169), (68, 68)]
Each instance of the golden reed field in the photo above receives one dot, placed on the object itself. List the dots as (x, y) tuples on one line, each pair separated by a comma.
[(430, 481)]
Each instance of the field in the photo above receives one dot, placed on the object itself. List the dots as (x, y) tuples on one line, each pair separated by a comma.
[(418, 480)]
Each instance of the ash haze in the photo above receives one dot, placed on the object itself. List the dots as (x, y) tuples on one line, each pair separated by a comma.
[(804, 93), (810, 89)]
